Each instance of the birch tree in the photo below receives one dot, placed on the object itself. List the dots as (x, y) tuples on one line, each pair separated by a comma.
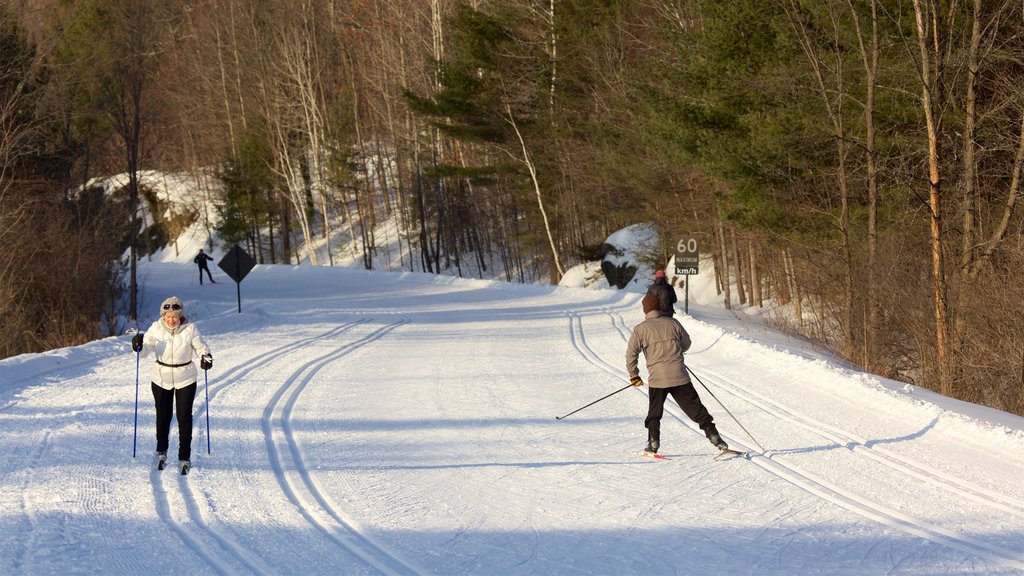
[(931, 53)]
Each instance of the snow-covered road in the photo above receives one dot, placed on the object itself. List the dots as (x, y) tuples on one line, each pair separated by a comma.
[(389, 423)]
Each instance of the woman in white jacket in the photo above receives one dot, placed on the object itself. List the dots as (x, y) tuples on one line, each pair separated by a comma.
[(174, 342)]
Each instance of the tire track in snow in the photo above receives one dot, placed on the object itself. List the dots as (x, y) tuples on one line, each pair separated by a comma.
[(287, 462), (189, 502), (822, 487)]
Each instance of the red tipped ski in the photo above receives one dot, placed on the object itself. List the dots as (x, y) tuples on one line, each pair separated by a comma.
[(655, 456)]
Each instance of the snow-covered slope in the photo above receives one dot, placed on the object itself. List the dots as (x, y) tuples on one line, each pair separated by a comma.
[(372, 422)]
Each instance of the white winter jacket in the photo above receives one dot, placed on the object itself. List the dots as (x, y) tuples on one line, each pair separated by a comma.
[(174, 350)]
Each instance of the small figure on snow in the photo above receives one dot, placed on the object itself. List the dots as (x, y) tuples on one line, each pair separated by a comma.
[(665, 293), (201, 259), (663, 340), (174, 341)]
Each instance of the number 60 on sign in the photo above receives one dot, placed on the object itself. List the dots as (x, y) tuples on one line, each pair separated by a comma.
[(687, 256)]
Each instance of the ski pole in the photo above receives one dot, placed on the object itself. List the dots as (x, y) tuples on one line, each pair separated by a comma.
[(726, 409), (206, 376), (630, 385), (135, 432)]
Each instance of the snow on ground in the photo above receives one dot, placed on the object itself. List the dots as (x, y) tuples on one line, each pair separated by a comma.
[(403, 423)]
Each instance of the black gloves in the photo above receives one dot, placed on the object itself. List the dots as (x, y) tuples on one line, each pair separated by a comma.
[(137, 342), (206, 362), (636, 380)]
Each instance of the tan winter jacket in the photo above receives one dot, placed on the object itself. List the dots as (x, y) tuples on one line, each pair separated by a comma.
[(663, 340), (174, 350)]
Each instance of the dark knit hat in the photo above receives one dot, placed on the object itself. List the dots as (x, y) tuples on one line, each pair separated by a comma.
[(650, 302)]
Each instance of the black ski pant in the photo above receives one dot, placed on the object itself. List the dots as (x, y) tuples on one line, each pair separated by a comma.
[(686, 397), (165, 404), (208, 275)]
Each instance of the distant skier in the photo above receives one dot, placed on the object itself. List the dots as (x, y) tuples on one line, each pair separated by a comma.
[(663, 340), (174, 341), (665, 293), (201, 259)]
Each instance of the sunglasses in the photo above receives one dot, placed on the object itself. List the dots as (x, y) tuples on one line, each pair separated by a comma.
[(172, 306)]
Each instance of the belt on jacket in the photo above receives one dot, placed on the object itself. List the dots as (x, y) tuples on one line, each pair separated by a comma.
[(173, 365)]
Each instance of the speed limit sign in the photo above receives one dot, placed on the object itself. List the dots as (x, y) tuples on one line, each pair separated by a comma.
[(687, 257)]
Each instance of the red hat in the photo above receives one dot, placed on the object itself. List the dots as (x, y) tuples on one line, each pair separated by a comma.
[(659, 274)]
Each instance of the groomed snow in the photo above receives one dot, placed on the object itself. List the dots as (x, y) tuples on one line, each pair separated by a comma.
[(399, 423)]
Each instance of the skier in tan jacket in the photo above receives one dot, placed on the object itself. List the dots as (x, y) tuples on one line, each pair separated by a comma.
[(663, 341)]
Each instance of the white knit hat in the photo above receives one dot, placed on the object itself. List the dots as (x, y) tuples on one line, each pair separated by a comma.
[(172, 304)]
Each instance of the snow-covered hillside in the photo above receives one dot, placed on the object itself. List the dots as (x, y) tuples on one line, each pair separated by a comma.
[(398, 423)]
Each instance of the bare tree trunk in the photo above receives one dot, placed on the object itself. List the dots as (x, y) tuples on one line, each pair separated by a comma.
[(794, 287), (528, 162), (755, 276), (971, 196), (869, 56), (999, 233), (553, 47), (725, 266), (363, 218), (740, 292), (971, 260), (716, 262), (228, 117), (927, 19)]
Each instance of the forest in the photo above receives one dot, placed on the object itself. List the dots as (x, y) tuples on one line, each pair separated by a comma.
[(857, 162)]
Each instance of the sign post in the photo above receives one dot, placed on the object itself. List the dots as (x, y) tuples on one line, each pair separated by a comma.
[(687, 264), (236, 264)]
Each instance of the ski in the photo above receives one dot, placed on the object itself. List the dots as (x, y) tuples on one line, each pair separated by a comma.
[(728, 454)]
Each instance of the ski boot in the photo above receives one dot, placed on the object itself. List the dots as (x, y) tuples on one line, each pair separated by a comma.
[(652, 447), (717, 441), (184, 466), (161, 460)]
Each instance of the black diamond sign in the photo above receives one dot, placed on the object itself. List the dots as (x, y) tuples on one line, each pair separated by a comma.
[(237, 263)]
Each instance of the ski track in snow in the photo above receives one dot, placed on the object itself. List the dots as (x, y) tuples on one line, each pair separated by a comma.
[(823, 487), (475, 478), (287, 462), (190, 502), (299, 484)]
